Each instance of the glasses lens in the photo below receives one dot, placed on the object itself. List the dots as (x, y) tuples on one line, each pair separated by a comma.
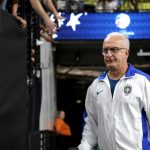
[(112, 50)]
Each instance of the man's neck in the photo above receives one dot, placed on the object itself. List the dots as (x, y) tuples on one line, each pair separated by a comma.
[(117, 74)]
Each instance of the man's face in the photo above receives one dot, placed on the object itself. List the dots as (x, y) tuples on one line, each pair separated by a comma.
[(62, 114), (115, 53)]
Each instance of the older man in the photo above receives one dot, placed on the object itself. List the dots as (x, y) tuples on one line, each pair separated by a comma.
[(118, 102)]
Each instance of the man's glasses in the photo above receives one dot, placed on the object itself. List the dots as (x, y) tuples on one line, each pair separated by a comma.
[(113, 50)]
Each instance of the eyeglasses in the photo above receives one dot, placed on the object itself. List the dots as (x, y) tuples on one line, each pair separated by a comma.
[(113, 50)]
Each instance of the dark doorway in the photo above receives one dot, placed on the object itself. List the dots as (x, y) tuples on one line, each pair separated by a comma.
[(71, 94)]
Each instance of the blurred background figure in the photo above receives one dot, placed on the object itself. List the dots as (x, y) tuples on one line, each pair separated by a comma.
[(106, 5), (14, 9), (61, 5), (63, 132), (70, 5), (89, 5), (3, 4)]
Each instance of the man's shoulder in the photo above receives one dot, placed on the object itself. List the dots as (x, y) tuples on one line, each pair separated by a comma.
[(94, 83), (142, 74)]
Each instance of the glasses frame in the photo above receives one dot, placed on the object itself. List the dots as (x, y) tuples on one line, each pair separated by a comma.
[(113, 50)]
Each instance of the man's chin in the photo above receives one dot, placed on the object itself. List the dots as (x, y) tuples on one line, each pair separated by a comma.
[(111, 65)]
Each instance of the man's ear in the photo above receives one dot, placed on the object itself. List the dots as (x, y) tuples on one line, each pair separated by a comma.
[(128, 52)]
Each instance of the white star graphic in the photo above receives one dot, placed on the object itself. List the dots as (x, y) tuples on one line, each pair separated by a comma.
[(74, 21), (52, 18), (60, 21)]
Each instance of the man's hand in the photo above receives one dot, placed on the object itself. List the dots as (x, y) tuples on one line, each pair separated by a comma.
[(51, 26), (44, 34), (22, 21)]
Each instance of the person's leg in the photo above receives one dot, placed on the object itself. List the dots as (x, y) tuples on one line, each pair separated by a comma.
[(61, 142), (3, 4), (64, 143), (58, 142)]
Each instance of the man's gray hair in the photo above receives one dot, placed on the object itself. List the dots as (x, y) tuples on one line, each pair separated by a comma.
[(121, 35)]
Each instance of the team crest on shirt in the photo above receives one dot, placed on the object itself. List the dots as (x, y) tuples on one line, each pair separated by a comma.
[(127, 89)]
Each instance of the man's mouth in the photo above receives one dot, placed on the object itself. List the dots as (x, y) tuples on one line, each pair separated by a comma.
[(110, 61)]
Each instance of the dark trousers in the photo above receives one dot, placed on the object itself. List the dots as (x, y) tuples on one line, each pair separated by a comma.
[(62, 142)]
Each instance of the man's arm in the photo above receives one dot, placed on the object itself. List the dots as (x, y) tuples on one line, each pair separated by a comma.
[(89, 136), (147, 104), (14, 8), (49, 4), (37, 6)]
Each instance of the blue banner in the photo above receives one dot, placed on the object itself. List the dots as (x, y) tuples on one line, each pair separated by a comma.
[(95, 26)]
